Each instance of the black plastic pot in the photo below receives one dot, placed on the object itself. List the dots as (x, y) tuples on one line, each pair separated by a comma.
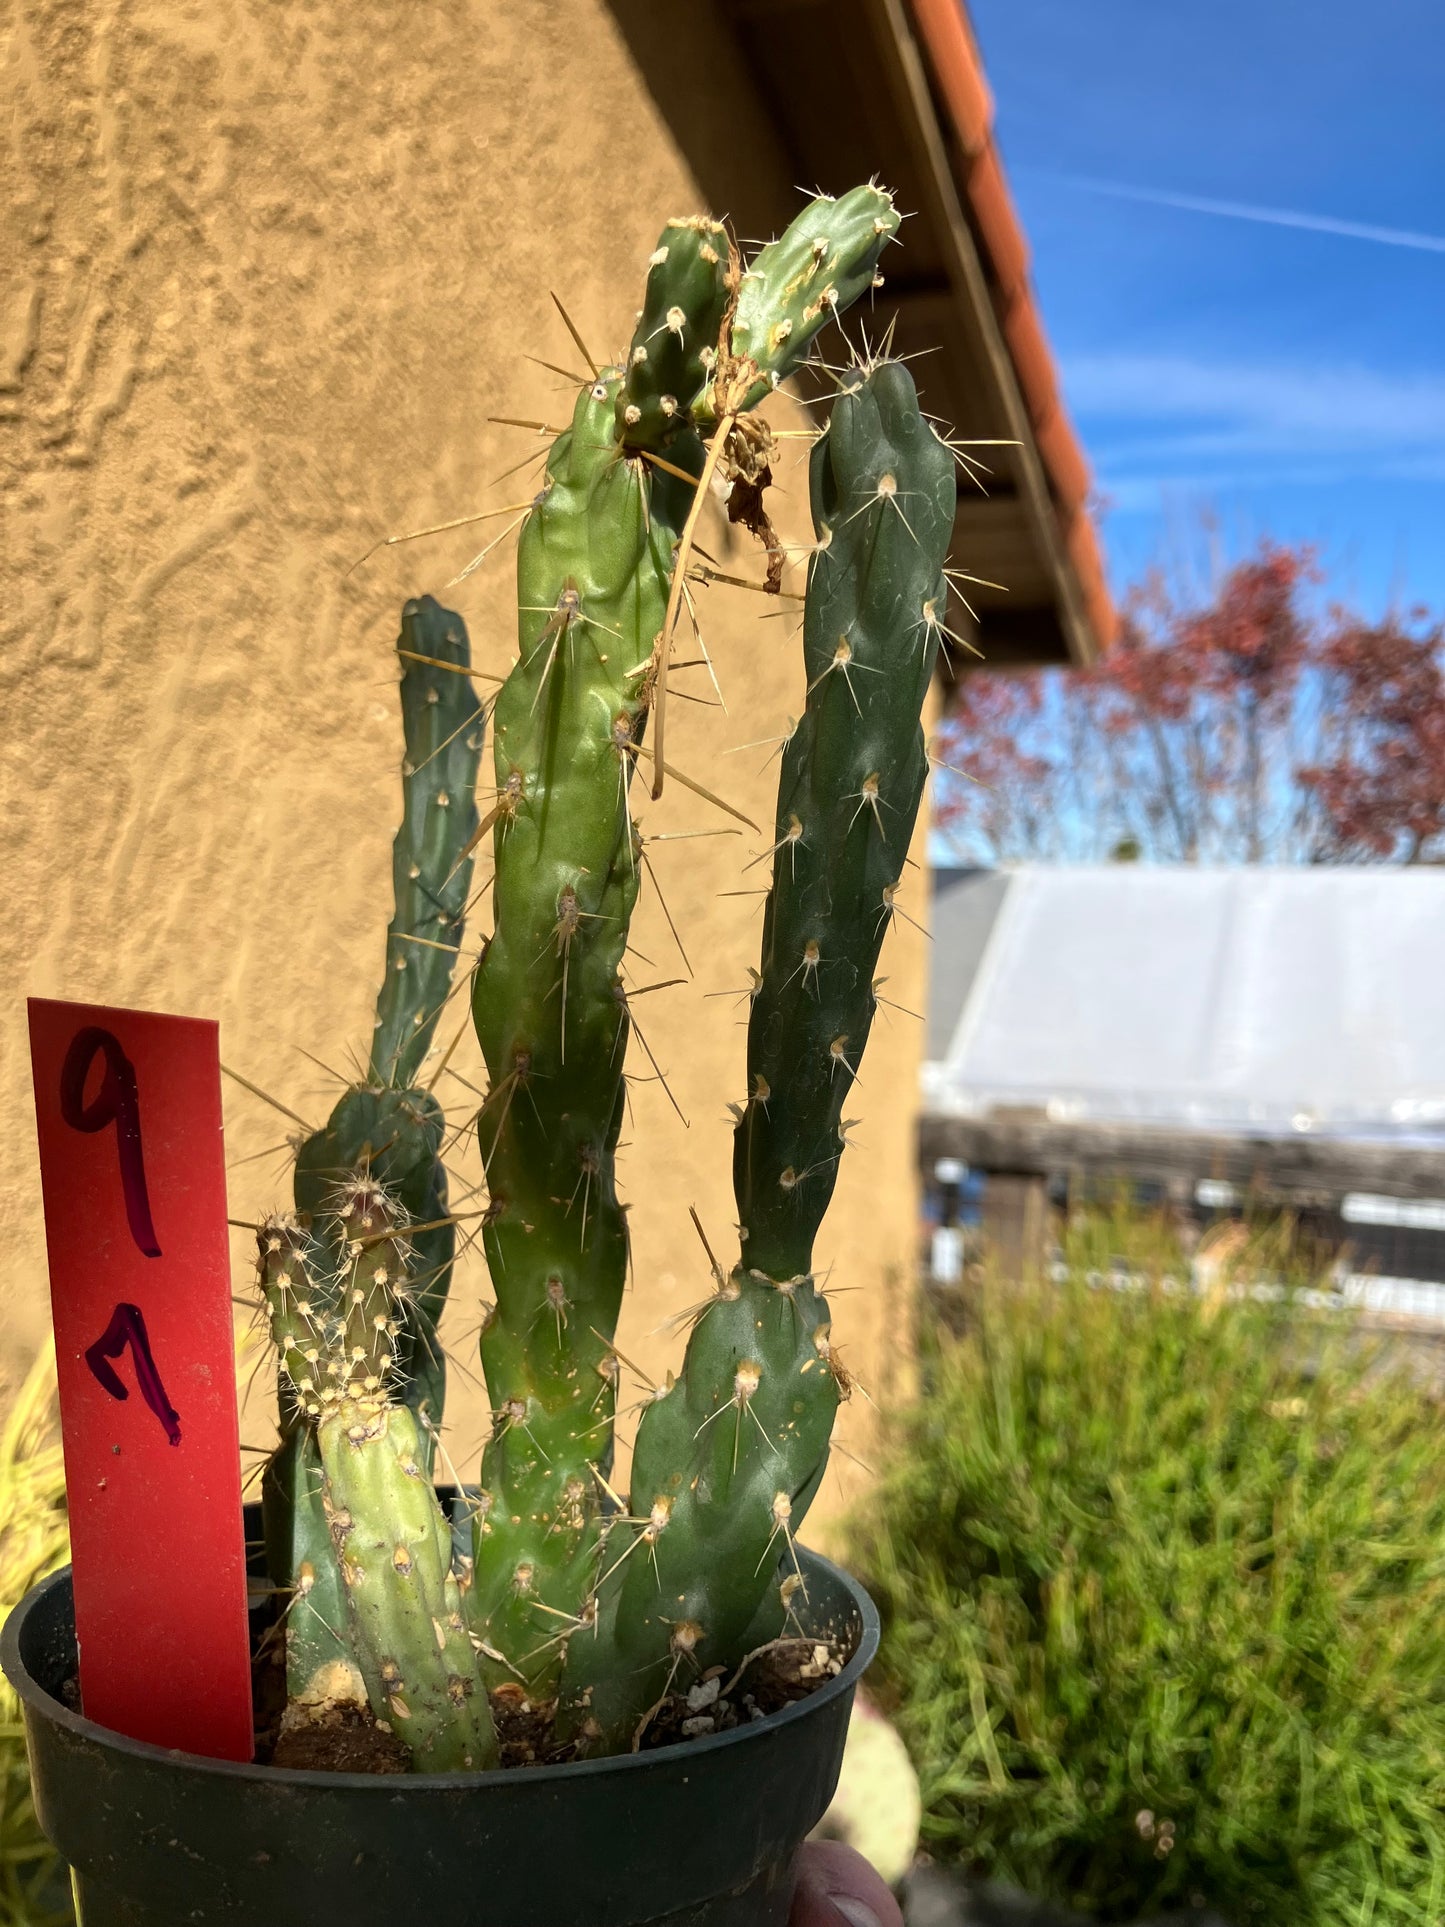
[(698, 1835)]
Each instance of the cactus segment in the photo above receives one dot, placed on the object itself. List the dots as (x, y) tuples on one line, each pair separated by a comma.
[(337, 1339), (727, 1460), (321, 1668), (298, 1302), (674, 347), (298, 1539), (818, 267), (396, 1136), (406, 1604), (551, 1015), (724, 1467), (883, 497), (387, 1125), (385, 1129), (431, 864)]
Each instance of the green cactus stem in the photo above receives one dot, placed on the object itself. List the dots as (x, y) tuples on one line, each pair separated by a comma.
[(826, 258), (674, 346), (397, 1137), (552, 1018), (338, 1342), (386, 1125), (729, 1457), (431, 864), (321, 1670), (883, 497)]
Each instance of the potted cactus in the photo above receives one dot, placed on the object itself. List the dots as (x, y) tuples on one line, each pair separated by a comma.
[(418, 1632)]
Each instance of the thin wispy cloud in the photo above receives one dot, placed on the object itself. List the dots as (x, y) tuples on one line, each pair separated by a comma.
[(1342, 404), (1389, 237), (1149, 418)]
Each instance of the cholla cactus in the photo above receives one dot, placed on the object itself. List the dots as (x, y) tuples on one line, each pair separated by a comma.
[(729, 1455), (384, 1131), (339, 1336), (728, 1458)]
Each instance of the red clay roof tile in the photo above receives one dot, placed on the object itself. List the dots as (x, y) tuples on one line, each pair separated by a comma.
[(1006, 251), (1033, 361), (959, 79), (1065, 460), (1084, 552), (958, 71)]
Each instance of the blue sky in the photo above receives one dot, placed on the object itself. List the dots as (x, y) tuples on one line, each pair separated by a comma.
[(1289, 378)]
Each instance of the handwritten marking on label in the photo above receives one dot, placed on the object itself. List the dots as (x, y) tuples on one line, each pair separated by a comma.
[(128, 1327), (118, 1103)]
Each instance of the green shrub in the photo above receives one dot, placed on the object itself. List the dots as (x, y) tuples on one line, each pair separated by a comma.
[(1163, 1586), (34, 1540)]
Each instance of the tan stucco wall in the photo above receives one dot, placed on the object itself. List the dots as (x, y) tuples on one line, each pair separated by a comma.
[(266, 271)]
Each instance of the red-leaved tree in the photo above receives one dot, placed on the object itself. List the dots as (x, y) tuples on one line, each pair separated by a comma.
[(1243, 727), (1382, 789)]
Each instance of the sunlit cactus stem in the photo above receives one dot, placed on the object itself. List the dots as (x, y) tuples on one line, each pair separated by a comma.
[(674, 346), (321, 1668), (728, 1459), (386, 1124), (552, 1018), (602, 1604), (796, 285), (598, 587), (600, 583), (389, 1123), (338, 1340)]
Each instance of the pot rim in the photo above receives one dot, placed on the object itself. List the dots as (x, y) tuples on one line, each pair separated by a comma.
[(43, 1704)]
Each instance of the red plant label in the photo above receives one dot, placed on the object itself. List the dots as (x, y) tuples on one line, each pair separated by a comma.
[(128, 1109)]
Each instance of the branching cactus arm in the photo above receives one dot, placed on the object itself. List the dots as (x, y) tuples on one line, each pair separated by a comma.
[(431, 862), (674, 347), (321, 1671), (338, 1346), (883, 496), (728, 1458), (552, 1019), (385, 1126), (817, 268), (389, 1125)]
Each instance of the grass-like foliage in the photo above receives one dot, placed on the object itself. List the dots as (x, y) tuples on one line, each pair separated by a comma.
[(34, 1540), (1163, 1583)]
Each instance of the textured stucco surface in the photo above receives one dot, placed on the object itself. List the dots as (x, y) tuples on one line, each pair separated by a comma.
[(265, 272)]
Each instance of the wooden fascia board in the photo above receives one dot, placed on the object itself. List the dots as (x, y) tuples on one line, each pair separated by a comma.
[(973, 307)]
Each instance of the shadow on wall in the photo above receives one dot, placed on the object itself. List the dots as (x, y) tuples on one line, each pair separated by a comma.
[(729, 141)]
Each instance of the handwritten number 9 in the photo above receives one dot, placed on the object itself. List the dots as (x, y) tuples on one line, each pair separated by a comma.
[(117, 1103)]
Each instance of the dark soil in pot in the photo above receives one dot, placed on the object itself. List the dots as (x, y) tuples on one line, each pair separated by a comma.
[(773, 1676), (700, 1834)]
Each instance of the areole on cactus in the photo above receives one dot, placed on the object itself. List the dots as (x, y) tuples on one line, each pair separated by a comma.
[(599, 1604)]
